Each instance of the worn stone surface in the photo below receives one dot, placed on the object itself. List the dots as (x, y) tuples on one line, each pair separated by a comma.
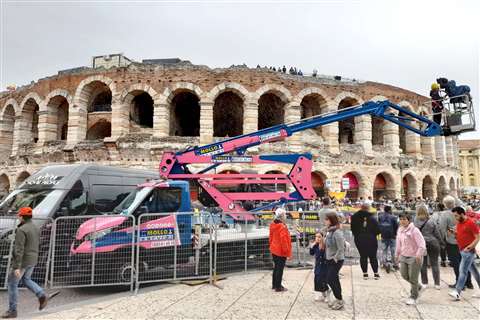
[(249, 296)]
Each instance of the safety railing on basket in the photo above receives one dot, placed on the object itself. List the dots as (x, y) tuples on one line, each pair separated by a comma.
[(8, 226), (93, 251)]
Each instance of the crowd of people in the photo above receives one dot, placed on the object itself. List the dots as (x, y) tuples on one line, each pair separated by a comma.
[(292, 70), (411, 242)]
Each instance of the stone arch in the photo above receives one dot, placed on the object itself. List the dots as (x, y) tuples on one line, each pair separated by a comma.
[(378, 125), (409, 186), (99, 130), (271, 108), (346, 128), (21, 177), (384, 186), (138, 101), (451, 185), (319, 183), (313, 104), (228, 110), (30, 107), (13, 103), (4, 186), (184, 109), (280, 91), (57, 109), (442, 190), (357, 184), (7, 126), (234, 87), (275, 187), (89, 88), (427, 188)]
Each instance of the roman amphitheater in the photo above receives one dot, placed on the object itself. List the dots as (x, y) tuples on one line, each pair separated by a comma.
[(124, 113)]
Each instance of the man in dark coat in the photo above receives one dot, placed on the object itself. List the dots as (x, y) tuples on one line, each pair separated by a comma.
[(25, 257), (365, 230)]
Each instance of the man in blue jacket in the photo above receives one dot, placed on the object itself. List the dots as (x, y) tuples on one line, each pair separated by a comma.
[(388, 229)]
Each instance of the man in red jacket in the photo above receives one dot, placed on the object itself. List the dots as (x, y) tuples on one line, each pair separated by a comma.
[(280, 247)]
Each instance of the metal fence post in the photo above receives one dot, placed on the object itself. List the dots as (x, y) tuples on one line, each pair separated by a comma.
[(175, 251), (94, 245), (210, 254), (246, 242), (10, 251), (304, 239), (50, 248), (132, 261), (137, 276)]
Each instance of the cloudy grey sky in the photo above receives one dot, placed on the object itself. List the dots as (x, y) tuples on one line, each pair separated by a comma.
[(403, 43)]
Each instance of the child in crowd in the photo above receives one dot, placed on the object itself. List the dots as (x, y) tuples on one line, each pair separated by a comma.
[(317, 249)]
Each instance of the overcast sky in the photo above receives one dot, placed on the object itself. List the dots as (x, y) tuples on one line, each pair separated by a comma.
[(404, 43)]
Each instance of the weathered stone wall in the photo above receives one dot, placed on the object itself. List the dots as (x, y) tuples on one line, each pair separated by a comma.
[(263, 96)]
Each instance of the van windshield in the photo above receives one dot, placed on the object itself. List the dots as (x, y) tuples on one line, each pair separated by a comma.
[(42, 200), (132, 200)]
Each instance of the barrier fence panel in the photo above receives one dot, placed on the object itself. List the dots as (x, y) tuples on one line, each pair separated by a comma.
[(171, 246), (8, 227), (93, 251)]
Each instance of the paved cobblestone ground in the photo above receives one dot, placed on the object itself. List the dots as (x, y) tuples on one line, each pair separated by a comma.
[(248, 296)]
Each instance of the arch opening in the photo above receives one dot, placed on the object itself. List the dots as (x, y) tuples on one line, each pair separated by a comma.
[(185, 115), (312, 105), (100, 130), (346, 128), (99, 97), (30, 119), (57, 109), (4, 186), (318, 182), (141, 109), (377, 131), (383, 187), (7, 129), (409, 187), (427, 188), (271, 110), (442, 188), (22, 177), (228, 115), (353, 190)]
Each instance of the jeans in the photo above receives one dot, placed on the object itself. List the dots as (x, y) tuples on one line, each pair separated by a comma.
[(454, 256), (279, 264), (432, 253), (333, 280), (367, 246), (388, 245), (467, 263), (27, 281), (410, 269)]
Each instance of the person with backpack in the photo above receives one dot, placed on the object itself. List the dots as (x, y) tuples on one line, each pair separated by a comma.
[(388, 225), (365, 230), (433, 240)]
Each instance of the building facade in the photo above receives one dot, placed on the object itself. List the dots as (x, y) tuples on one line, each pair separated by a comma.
[(129, 114), (469, 163)]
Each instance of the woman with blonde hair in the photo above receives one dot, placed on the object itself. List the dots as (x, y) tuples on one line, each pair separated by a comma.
[(433, 239)]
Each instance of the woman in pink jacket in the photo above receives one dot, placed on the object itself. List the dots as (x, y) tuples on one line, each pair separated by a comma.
[(409, 252)]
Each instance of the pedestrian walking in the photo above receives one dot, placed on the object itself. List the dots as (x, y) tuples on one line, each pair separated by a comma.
[(468, 236), (280, 247), (409, 253), (335, 255), (433, 241), (365, 230), (25, 257), (388, 229), (436, 218), (317, 249), (447, 225)]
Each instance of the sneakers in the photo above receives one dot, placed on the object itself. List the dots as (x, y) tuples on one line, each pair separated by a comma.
[(9, 315), (337, 305), (410, 302), (421, 288), (281, 289), (326, 297), (455, 295), (376, 276), (365, 276), (437, 287), (443, 264), (42, 302)]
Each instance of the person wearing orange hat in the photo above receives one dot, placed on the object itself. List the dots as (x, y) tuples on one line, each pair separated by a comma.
[(25, 257)]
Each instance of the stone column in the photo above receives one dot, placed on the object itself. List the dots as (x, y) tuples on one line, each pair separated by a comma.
[(440, 151), (391, 139), (449, 150), (363, 133), (413, 146), (161, 119), (120, 119), (77, 125), (330, 133), (206, 122), (293, 113), (22, 133), (455, 160), (6, 137), (428, 148), (250, 117), (47, 125)]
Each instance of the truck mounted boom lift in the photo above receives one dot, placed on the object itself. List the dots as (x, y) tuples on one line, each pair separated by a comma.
[(233, 150)]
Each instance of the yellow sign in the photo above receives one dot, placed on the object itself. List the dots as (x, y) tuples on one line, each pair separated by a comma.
[(339, 195)]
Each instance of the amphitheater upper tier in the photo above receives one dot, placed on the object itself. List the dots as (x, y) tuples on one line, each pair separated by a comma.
[(128, 114)]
